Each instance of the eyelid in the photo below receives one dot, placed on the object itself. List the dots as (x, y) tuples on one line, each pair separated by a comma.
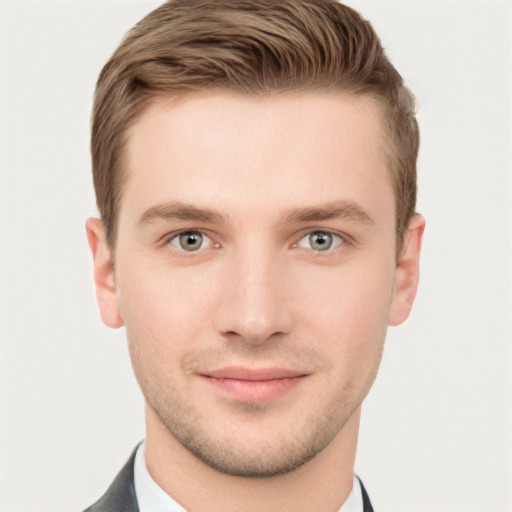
[(342, 240), (167, 240)]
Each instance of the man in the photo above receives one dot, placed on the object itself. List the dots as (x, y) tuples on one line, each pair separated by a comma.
[(254, 165)]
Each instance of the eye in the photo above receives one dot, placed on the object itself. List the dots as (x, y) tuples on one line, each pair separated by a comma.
[(320, 241), (190, 241)]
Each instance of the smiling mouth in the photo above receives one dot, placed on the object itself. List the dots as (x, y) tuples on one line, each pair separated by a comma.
[(254, 385)]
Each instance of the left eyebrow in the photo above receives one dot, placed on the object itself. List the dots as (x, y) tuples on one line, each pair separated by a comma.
[(341, 209)]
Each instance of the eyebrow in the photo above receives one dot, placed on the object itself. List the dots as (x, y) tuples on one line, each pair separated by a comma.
[(177, 210), (341, 209)]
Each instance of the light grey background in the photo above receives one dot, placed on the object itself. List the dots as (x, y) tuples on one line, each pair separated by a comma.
[(436, 429)]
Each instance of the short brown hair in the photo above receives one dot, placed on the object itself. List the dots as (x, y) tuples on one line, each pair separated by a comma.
[(252, 47)]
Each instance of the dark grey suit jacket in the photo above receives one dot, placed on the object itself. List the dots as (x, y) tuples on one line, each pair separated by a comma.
[(121, 497)]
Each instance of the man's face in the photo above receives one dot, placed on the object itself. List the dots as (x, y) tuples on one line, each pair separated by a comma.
[(255, 271)]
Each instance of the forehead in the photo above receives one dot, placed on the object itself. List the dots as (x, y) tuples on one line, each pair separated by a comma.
[(236, 151)]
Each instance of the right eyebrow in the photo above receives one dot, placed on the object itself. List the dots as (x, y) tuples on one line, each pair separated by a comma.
[(176, 210)]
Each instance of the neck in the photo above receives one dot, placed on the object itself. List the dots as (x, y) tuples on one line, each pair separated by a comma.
[(323, 483)]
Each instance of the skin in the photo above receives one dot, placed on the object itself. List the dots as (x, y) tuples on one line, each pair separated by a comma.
[(266, 184)]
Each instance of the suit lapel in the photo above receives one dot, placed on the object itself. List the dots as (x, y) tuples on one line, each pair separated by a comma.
[(120, 496), (367, 506)]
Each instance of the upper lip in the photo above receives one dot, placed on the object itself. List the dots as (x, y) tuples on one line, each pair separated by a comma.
[(245, 373)]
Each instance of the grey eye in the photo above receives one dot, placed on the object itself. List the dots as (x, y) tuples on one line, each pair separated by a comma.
[(189, 241), (320, 241)]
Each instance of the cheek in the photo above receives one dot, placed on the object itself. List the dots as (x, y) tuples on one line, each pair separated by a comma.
[(161, 309), (351, 297), (347, 316)]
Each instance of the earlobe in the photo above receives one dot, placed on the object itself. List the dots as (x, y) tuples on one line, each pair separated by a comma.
[(407, 272), (103, 274)]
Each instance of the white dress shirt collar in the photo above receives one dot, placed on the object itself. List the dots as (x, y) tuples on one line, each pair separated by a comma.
[(152, 498)]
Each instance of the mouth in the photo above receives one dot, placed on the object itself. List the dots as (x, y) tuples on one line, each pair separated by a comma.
[(254, 384)]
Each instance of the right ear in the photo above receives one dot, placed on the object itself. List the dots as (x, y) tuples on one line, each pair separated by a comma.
[(103, 273)]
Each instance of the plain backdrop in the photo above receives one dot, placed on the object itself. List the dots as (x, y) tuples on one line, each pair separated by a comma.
[(436, 428)]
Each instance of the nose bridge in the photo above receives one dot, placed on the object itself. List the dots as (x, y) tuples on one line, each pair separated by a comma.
[(253, 305)]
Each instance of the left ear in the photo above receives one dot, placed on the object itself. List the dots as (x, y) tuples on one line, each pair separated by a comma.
[(407, 272)]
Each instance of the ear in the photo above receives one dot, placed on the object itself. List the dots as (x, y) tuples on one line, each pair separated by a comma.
[(407, 272), (103, 273)]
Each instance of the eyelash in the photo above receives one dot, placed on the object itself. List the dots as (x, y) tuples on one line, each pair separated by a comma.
[(175, 238), (337, 240)]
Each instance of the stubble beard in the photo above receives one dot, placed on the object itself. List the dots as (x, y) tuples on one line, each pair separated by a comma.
[(293, 448), (302, 439), (300, 436)]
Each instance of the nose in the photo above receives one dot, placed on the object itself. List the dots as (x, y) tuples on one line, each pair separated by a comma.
[(253, 303)]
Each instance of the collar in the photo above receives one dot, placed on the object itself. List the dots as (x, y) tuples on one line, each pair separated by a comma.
[(152, 498)]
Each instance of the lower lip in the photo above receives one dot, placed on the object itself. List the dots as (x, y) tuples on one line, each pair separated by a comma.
[(255, 390)]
